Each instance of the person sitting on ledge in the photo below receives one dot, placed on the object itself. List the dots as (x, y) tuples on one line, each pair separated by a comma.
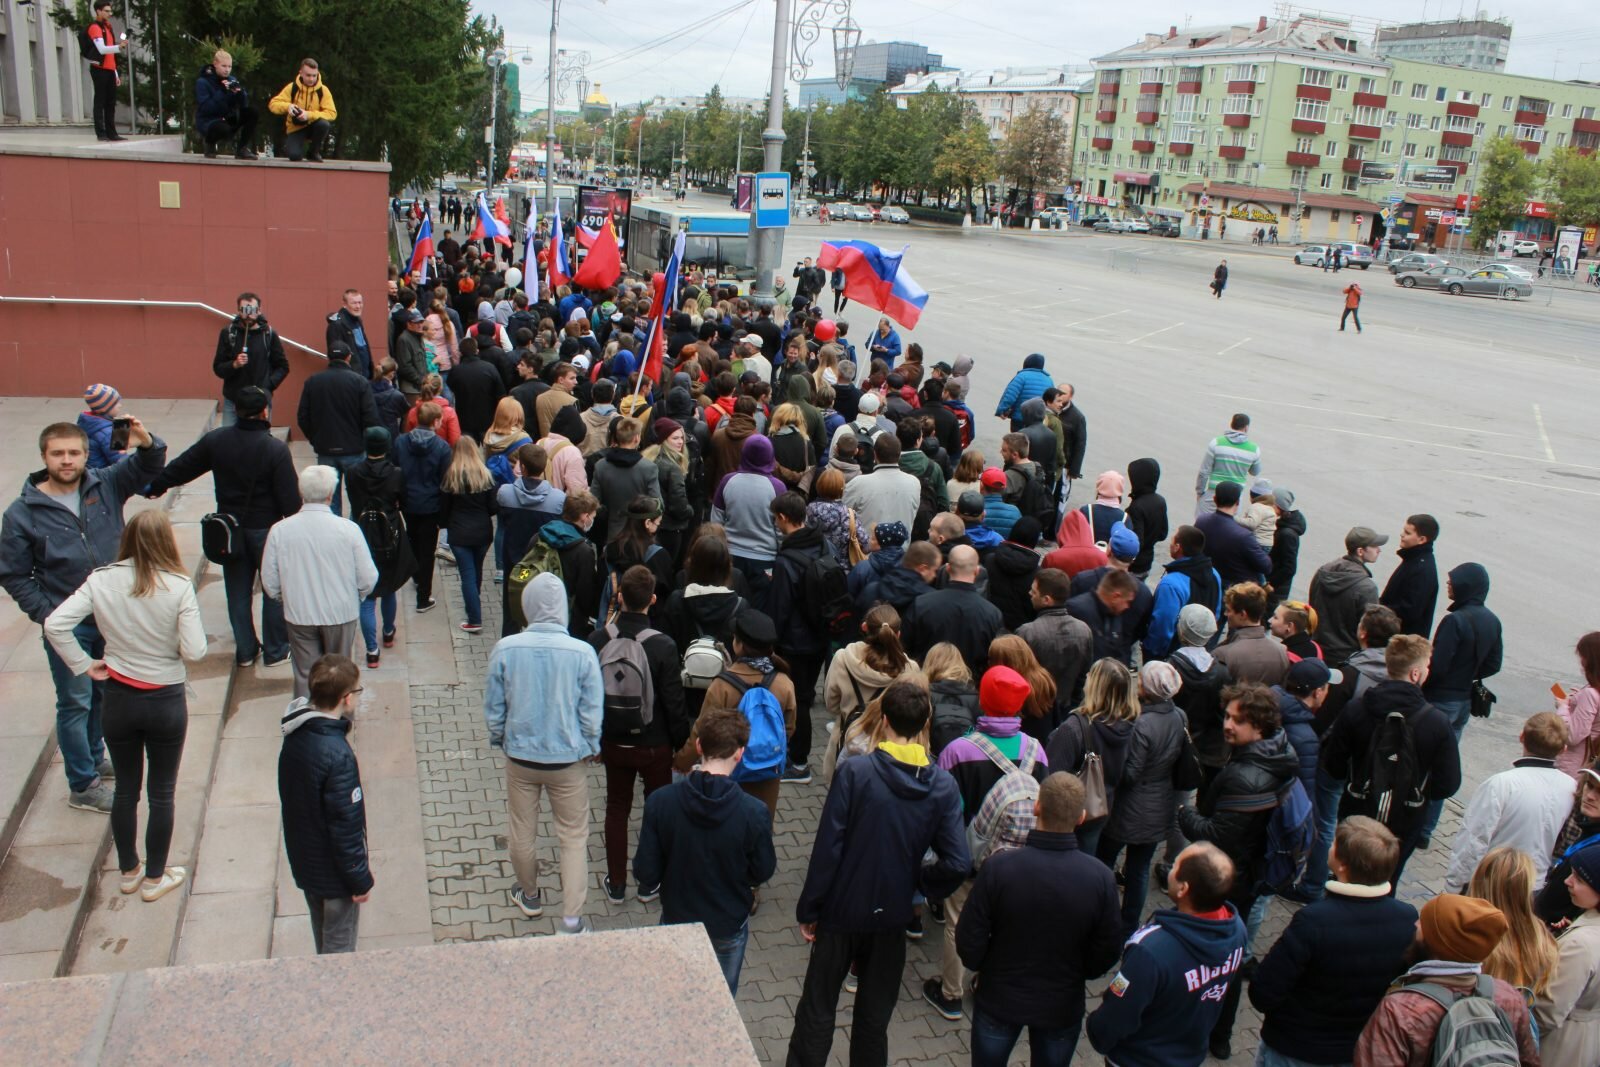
[(309, 113), (222, 108)]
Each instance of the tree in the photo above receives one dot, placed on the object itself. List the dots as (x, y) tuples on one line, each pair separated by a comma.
[(966, 158), (1034, 152), (1572, 187), (1506, 182)]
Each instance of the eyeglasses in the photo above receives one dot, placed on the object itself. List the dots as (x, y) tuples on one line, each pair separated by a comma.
[(357, 691)]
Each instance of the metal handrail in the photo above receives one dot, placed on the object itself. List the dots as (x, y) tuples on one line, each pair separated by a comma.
[(148, 303)]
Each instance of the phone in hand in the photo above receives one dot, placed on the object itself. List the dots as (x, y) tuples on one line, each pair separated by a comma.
[(120, 427), (1558, 692)]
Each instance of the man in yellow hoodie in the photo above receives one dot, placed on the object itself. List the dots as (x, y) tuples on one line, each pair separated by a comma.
[(308, 110)]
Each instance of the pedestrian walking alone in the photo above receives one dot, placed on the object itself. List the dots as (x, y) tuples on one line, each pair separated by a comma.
[(1352, 306), (1219, 279)]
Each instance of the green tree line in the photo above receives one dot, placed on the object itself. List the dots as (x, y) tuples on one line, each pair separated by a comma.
[(1568, 182)]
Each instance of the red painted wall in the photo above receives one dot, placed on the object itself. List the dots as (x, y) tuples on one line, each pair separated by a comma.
[(78, 225)]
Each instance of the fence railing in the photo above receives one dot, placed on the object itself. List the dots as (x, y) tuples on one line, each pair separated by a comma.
[(178, 304)]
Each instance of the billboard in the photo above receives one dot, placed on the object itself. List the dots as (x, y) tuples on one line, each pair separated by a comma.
[(593, 203), (1569, 242), (743, 191), (1377, 172), (1433, 175)]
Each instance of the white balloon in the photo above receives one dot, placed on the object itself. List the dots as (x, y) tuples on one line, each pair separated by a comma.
[(513, 277)]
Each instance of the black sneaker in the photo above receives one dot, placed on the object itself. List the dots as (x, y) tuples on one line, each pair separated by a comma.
[(933, 993), (615, 893), (426, 605), (1222, 1048), (914, 928), (1424, 843), (649, 896), (936, 911), (796, 774), (270, 662), (531, 905)]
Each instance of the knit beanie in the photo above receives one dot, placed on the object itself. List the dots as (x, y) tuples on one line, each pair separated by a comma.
[(102, 400), (663, 429), (1586, 865), (1002, 692), (377, 441), (1463, 929), (1196, 625), (1160, 679)]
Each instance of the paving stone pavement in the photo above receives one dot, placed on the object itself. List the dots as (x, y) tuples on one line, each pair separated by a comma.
[(470, 879)]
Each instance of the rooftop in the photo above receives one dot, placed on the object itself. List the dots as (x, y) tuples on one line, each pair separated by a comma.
[(1448, 28), (1302, 33), (999, 79)]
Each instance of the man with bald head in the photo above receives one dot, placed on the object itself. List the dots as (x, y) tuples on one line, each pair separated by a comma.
[(956, 613)]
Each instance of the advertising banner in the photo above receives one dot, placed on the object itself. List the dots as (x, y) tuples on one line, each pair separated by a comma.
[(593, 203)]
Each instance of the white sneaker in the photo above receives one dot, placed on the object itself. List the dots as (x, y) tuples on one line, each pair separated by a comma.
[(131, 882), (171, 878), (583, 927)]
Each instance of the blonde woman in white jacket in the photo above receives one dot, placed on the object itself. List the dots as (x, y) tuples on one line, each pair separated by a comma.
[(146, 609), (859, 673)]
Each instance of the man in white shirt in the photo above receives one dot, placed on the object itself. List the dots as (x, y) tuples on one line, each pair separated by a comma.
[(319, 566), (1524, 807), (888, 494)]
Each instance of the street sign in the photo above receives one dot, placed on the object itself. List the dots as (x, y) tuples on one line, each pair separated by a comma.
[(1360, 219), (772, 200), (1205, 201), (1448, 218), (1397, 198)]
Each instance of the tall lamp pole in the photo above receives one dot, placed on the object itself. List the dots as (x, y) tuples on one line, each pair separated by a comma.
[(796, 38), (497, 57)]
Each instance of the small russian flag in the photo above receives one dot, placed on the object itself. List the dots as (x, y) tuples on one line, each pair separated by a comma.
[(422, 252), (876, 279), (488, 225)]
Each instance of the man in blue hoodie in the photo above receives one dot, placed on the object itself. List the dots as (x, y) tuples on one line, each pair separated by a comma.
[(882, 814), (1175, 972), (707, 843), (1029, 382), (1189, 579)]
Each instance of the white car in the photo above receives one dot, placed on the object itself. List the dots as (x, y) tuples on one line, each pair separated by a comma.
[(895, 213), (1525, 248), (1311, 255), (1136, 226), (1512, 268)]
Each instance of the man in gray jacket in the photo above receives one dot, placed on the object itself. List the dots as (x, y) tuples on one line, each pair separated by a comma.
[(66, 523), (622, 474), (1341, 591)]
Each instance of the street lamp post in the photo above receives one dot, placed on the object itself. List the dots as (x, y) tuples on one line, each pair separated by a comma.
[(807, 27), (496, 58)]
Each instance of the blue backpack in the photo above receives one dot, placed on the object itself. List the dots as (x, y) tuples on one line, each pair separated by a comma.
[(1291, 834), (500, 464), (768, 747)]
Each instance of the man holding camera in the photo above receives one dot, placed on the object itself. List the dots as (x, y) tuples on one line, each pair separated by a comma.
[(249, 352), (309, 113), (222, 108)]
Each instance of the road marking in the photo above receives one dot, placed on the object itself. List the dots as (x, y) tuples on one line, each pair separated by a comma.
[(1523, 482), (1544, 438), (1152, 333), (1097, 318), (1535, 460), (1231, 347), (1364, 415)]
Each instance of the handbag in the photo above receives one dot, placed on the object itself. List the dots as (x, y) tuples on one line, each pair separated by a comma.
[(221, 537), (1093, 776), (854, 550), (1186, 770), (1483, 700)]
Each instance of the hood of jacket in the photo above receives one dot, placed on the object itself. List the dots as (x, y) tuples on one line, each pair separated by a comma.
[(902, 779), (1033, 411), (569, 424), (915, 461), (885, 560), (1077, 531), (963, 366), (1034, 362), (1143, 476), (1292, 522), (1469, 584), (1274, 753), (982, 538), (900, 585), (419, 437), (1342, 575), (1291, 710), (710, 800), (1206, 940), (1012, 560), (1369, 661), (798, 388), (544, 600), (738, 426), (300, 713), (755, 455), (560, 534), (680, 405), (532, 494), (623, 457), (1237, 437)]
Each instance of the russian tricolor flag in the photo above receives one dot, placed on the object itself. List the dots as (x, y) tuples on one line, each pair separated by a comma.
[(559, 271), (876, 279), (488, 225), (422, 253)]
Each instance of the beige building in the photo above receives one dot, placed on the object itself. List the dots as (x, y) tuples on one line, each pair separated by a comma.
[(1001, 94), (43, 79)]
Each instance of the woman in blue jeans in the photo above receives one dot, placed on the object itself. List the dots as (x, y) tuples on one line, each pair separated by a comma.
[(376, 486), (466, 513), (148, 614)]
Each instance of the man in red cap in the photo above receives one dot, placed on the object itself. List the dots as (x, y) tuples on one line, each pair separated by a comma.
[(995, 752)]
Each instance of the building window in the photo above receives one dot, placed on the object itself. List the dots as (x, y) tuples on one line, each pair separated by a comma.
[(1505, 103), (1334, 217), (1367, 85), (1315, 110), (1586, 113), (1413, 121), (1408, 150), (1485, 99), (1303, 144), (1419, 92), (1433, 123), (1566, 111), (1326, 181), (1428, 154), (1332, 149), (1183, 164), (1315, 76), (1500, 131), (1342, 82), (1440, 93), (1530, 133), (1385, 147), (1368, 116), (1236, 104), (1395, 87), (1458, 124), (1477, 129), (1351, 183), (1231, 170), (1561, 140), (1252, 140), (1244, 72)]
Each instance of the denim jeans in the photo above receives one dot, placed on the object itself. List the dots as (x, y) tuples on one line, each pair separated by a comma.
[(1267, 1056), (334, 923), (469, 564), (238, 582), (1089, 835), (758, 575), (1459, 712), (1135, 876), (369, 618), (1326, 803), (730, 955), (78, 700), (340, 464), (230, 414), (993, 1040)]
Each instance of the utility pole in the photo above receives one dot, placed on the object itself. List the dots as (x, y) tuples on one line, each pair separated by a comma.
[(611, 135), (683, 155), (638, 156), (497, 57), (806, 169), (769, 240), (550, 118)]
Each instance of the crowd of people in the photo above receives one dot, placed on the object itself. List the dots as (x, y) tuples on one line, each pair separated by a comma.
[(773, 567)]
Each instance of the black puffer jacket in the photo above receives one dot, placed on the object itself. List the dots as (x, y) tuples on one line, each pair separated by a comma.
[(1234, 810), (1147, 512), (324, 817), (267, 366), (1200, 699), (1077, 736), (378, 484), (1467, 646), (1285, 554), (1143, 810), (1011, 571), (1344, 751), (705, 613)]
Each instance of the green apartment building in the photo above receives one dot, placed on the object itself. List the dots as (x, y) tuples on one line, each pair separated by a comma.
[(1296, 124)]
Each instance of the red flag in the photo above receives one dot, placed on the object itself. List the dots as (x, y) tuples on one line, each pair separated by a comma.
[(604, 264), (656, 343)]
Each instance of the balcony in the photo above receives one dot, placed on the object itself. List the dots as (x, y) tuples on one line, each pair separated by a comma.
[(1231, 151), (1351, 166), (1457, 138), (1147, 118), (1109, 86), (1531, 147), (1181, 148), (1151, 88), (1101, 144), (1313, 92), (1530, 118), (1465, 110), (1586, 126), (1302, 159), (1106, 115), (1144, 146), (1238, 122), (1358, 132), (1371, 100), (1241, 87), (1311, 126), (1189, 86), (1459, 165)]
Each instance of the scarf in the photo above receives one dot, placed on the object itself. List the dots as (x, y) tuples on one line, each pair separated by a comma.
[(760, 663)]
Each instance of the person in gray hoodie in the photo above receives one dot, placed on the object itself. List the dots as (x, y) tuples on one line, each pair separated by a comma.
[(542, 704), (742, 504), (622, 474), (1341, 591), (1042, 447)]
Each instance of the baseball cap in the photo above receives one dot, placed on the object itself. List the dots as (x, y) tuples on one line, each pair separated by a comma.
[(943, 368), (869, 404), (1364, 537), (414, 315), (1309, 675), (993, 478), (1124, 543), (970, 504)]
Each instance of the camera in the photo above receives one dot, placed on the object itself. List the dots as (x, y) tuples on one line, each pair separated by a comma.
[(249, 310), (121, 426)]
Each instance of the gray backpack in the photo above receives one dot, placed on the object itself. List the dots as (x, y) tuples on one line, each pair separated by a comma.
[(630, 696), (1475, 1031)]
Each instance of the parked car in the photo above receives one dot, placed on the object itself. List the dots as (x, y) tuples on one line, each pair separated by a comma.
[(1432, 278), (895, 213), (1311, 255), (1165, 228), (1525, 248), (1414, 261), (449, 187), (1513, 268), (1493, 280), (805, 208), (1354, 255), (1111, 225), (1136, 226), (861, 213), (1092, 221)]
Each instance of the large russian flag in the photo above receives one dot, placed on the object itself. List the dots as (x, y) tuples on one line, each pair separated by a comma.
[(421, 253), (876, 279)]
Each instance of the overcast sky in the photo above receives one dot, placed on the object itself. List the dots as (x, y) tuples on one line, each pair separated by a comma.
[(631, 61)]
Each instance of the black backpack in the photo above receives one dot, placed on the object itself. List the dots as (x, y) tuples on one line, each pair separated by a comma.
[(1390, 779), (953, 715), (1034, 500), (383, 531), (86, 46), (825, 601)]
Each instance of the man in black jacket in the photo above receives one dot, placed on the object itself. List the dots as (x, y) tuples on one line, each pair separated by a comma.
[(336, 407), (1074, 434), (810, 279), (1235, 809), (1040, 921), (800, 634), (883, 812), (324, 817), (345, 327), (956, 613), (478, 389), (1234, 551), (1412, 591), (708, 844), (255, 482), (1285, 553), (248, 353), (1106, 610), (628, 749)]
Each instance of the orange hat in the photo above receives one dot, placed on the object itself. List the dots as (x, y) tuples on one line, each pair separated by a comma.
[(1003, 692), (1462, 929)]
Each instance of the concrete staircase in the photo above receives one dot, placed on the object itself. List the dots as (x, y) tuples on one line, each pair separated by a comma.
[(61, 911)]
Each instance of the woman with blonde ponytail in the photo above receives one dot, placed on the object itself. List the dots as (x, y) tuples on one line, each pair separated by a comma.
[(860, 672)]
